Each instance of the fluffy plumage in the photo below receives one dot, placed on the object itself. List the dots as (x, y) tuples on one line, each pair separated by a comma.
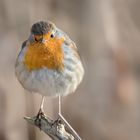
[(48, 80)]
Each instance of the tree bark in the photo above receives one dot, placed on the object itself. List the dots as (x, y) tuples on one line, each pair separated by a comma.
[(57, 130)]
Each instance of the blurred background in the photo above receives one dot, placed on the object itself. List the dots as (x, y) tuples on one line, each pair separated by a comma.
[(106, 106)]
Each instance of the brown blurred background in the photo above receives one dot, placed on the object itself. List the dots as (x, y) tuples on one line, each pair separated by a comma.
[(106, 105)]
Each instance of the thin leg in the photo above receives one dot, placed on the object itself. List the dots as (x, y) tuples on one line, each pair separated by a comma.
[(40, 113), (59, 98), (41, 110), (65, 121), (42, 103)]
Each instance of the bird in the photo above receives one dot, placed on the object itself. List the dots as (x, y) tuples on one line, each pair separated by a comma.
[(49, 63)]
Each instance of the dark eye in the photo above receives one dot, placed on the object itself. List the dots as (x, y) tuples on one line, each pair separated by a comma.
[(52, 36), (36, 39)]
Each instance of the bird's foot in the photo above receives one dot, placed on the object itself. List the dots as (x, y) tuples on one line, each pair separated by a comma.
[(40, 113), (57, 121), (39, 116)]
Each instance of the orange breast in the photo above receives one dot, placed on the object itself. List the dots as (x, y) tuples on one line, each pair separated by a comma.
[(49, 54)]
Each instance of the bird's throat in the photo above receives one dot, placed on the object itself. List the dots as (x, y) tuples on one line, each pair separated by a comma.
[(40, 55)]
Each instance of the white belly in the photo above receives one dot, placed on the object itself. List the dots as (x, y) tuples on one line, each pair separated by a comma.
[(46, 82)]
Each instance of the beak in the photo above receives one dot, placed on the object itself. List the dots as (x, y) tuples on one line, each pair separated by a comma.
[(43, 40)]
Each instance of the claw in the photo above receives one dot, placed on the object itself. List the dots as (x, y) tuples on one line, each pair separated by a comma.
[(58, 121), (38, 117), (40, 113)]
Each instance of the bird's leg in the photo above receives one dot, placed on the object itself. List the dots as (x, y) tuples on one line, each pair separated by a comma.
[(42, 103), (41, 110), (59, 103), (40, 113), (61, 118)]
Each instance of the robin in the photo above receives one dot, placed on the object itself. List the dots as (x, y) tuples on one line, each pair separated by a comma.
[(49, 63)]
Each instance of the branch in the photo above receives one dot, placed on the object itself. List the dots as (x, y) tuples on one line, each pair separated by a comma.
[(57, 129)]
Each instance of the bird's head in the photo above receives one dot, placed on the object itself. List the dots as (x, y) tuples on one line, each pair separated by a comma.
[(45, 47), (43, 31)]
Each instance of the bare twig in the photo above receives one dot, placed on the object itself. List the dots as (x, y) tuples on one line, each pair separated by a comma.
[(57, 130), (71, 130)]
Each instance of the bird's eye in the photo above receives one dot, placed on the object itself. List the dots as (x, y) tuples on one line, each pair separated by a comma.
[(52, 36), (36, 39)]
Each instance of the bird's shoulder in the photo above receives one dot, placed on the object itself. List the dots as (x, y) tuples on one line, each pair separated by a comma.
[(71, 44), (24, 44)]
